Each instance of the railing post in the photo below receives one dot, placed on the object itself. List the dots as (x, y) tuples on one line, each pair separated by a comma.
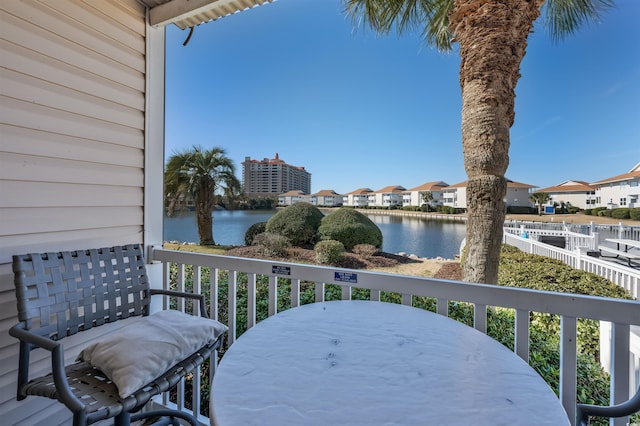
[(620, 339), (568, 365)]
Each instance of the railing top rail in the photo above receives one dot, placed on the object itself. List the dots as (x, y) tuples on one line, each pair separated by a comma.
[(571, 305)]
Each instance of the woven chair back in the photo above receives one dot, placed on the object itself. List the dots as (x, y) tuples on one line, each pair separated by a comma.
[(60, 294)]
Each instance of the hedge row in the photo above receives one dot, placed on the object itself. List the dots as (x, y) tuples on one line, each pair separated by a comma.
[(620, 213)]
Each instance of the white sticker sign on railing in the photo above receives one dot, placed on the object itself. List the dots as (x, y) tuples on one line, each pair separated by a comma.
[(346, 277)]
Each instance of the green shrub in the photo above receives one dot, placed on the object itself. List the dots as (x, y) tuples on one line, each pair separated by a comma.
[(634, 214), (524, 270), (573, 209), (588, 212), (271, 244), (605, 213), (255, 229), (622, 213), (350, 227), (521, 210), (365, 250), (298, 223), (328, 251), (596, 211)]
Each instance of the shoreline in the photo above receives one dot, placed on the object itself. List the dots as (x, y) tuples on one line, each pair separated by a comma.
[(577, 218)]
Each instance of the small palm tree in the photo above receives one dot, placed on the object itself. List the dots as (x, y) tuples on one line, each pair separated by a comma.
[(427, 198), (539, 199), (492, 38), (197, 175)]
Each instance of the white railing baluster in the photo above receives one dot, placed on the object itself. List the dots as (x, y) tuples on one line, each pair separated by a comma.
[(442, 307), (568, 365), (521, 335), (213, 291), (480, 317), (620, 367), (232, 305), (346, 292), (407, 299), (197, 374), (295, 292), (374, 295), (273, 295), (180, 287), (319, 292), (251, 300)]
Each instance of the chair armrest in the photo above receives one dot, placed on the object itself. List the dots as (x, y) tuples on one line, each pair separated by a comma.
[(619, 410), (199, 297), (57, 363)]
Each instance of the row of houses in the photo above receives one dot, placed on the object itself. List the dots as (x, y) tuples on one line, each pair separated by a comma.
[(618, 191), (441, 194)]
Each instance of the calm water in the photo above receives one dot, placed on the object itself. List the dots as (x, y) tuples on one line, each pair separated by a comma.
[(424, 238)]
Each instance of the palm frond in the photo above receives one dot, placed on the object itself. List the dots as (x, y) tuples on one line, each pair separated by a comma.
[(564, 17), (429, 17)]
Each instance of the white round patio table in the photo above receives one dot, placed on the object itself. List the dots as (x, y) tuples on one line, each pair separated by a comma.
[(375, 363)]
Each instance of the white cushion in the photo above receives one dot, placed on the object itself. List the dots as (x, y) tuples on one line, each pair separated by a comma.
[(139, 352)]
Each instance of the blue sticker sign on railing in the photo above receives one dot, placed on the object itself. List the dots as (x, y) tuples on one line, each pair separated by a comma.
[(346, 277), (280, 270)]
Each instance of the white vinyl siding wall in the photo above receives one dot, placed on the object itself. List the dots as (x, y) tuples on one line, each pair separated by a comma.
[(72, 148)]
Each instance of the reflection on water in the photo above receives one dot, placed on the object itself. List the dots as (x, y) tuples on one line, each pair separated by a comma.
[(412, 235), (425, 238)]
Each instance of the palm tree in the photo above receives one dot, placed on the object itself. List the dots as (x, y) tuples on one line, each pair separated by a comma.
[(427, 198), (492, 38), (197, 175), (539, 198)]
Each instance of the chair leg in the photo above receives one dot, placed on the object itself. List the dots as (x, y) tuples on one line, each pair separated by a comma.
[(173, 415), (122, 419)]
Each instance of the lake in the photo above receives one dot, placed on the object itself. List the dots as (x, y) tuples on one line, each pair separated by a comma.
[(412, 235)]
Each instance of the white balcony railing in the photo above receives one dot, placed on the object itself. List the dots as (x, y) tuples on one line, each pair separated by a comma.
[(207, 270)]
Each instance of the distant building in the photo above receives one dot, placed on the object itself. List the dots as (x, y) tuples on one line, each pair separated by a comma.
[(357, 198), (389, 196), (619, 191), (413, 196), (576, 192), (326, 198), (292, 197), (272, 177), (517, 194)]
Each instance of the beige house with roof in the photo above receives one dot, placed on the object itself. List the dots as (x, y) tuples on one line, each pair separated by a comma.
[(576, 192), (326, 198), (517, 194), (357, 198), (292, 197), (389, 196), (413, 196), (619, 191)]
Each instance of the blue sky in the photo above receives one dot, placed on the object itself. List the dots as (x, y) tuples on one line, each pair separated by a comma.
[(357, 109)]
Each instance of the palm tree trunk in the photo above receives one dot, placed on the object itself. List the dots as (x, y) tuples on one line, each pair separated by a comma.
[(204, 212), (492, 35)]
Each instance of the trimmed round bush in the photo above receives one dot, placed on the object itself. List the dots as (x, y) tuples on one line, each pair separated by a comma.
[(271, 244), (299, 223), (255, 229), (328, 251), (622, 213), (634, 214), (365, 250), (350, 227)]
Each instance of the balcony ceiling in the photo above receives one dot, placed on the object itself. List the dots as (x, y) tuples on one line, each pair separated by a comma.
[(189, 13)]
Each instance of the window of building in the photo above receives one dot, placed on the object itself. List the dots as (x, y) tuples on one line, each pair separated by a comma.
[(623, 201)]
